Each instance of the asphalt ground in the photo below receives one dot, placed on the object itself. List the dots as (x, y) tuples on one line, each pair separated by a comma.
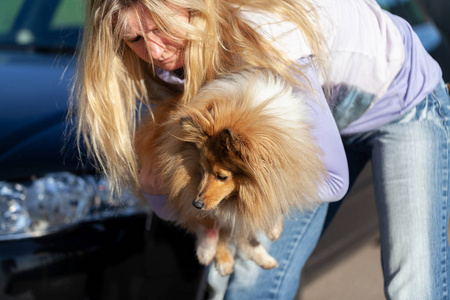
[(346, 264)]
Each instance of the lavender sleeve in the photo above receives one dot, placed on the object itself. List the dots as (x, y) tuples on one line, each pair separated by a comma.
[(327, 136), (158, 205)]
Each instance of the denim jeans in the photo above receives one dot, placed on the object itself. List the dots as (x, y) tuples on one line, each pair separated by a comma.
[(410, 163)]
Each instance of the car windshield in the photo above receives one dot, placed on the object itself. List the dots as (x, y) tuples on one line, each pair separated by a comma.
[(40, 25)]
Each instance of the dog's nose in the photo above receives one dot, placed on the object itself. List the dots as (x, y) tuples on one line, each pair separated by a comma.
[(198, 204)]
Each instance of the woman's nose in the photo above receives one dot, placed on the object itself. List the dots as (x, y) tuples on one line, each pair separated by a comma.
[(156, 48)]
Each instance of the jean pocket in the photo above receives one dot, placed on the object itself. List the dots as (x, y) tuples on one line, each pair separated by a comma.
[(418, 112)]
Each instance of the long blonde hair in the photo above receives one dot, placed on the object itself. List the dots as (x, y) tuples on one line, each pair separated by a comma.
[(111, 79)]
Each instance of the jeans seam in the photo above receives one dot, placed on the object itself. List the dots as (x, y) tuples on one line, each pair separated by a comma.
[(445, 246), (282, 273)]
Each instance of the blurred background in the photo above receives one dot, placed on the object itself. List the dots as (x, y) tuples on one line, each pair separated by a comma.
[(63, 236)]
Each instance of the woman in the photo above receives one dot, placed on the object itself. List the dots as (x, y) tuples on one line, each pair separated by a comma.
[(362, 70)]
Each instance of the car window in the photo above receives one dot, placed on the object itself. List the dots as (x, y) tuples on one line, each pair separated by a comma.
[(9, 10), (40, 25), (70, 13)]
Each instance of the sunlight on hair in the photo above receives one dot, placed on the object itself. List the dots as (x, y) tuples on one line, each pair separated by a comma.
[(111, 79)]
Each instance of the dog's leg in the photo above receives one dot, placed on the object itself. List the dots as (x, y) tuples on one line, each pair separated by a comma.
[(224, 258), (252, 249), (207, 240), (275, 232)]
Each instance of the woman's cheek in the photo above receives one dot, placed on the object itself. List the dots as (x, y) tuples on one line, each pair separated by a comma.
[(140, 50)]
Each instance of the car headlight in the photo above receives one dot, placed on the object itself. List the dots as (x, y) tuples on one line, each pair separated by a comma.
[(56, 201)]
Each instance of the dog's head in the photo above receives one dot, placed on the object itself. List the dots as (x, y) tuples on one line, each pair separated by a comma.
[(221, 161)]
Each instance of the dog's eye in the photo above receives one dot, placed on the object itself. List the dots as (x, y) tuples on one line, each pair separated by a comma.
[(221, 177)]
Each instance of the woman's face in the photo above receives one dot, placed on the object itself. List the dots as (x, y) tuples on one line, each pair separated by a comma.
[(166, 54)]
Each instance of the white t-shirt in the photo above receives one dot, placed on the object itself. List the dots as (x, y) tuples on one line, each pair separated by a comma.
[(372, 49)]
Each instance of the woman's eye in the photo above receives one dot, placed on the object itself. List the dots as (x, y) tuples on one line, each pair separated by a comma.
[(136, 39), (157, 32)]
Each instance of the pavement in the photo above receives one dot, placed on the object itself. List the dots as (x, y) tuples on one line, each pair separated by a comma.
[(357, 276), (346, 263)]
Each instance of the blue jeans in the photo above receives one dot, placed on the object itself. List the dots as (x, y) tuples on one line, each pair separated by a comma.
[(410, 163)]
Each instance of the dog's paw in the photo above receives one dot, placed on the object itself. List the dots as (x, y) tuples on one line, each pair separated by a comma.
[(268, 263), (206, 254), (259, 255), (207, 246), (225, 267), (224, 260), (275, 232)]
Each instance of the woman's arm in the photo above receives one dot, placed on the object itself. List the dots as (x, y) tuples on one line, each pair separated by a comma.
[(153, 191), (327, 136), (158, 205), (289, 39)]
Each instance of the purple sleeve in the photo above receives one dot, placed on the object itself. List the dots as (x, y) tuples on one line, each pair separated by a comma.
[(328, 139), (158, 205)]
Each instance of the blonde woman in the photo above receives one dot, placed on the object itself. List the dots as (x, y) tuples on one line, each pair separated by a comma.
[(384, 100)]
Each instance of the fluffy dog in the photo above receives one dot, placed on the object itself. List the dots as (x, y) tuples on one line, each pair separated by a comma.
[(234, 161)]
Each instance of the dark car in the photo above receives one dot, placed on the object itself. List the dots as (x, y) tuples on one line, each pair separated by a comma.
[(61, 235)]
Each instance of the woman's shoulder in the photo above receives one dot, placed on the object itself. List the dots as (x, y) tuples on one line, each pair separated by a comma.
[(286, 36)]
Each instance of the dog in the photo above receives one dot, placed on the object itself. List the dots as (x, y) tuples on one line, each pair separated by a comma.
[(235, 160)]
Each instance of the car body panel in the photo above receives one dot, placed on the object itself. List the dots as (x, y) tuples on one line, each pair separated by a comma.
[(33, 109)]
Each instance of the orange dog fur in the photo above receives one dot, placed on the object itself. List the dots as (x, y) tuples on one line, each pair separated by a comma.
[(234, 161)]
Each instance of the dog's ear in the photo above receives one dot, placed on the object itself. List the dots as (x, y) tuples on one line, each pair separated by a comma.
[(194, 133), (234, 142), (211, 109), (187, 123)]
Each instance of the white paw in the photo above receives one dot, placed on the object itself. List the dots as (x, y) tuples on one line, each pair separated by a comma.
[(206, 253), (275, 234), (260, 256), (225, 268), (207, 240), (268, 262), (276, 231)]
